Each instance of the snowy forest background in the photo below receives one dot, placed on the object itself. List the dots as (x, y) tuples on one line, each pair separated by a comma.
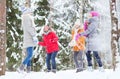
[(61, 14)]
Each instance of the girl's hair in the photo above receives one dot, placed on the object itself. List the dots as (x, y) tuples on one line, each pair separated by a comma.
[(49, 28)]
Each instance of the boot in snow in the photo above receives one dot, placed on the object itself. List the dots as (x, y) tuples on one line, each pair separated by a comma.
[(101, 69), (48, 70), (79, 70), (90, 68), (28, 69), (21, 68), (54, 70)]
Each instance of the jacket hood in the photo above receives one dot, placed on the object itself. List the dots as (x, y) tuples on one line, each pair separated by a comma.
[(93, 19)]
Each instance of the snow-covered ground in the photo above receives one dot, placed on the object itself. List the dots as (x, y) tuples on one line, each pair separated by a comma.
[(68, 74)]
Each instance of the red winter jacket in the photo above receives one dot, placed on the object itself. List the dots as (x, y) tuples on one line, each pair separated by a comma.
[(50, 42)]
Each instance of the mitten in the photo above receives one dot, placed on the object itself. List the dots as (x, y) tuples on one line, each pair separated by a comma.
[(77, 36), (35, 40)]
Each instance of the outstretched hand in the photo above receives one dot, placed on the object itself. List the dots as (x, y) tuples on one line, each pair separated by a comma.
[(77, 36), (35, 40)]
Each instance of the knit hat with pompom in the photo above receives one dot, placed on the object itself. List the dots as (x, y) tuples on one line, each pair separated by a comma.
[(94, 13)]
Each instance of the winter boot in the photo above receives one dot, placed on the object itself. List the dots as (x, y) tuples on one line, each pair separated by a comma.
[(79, 70), (101, 69), (28, 69), (54, 70), (90, 68), (48, 70), (21, 68)]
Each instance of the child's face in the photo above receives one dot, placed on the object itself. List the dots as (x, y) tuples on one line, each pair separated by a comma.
[(77, 26), (46, 28), (89, 16), (26, 4)]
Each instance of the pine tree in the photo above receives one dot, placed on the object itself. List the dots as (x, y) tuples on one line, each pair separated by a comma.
[(14, 35), (40, 14)]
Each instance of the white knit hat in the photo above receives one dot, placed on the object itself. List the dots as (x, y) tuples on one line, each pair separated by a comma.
[(25, 10)]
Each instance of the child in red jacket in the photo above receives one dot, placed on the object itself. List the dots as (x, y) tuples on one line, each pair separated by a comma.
[(50, 42)]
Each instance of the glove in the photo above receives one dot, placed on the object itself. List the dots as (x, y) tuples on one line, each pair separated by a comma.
[(77, 36), (35, 40)]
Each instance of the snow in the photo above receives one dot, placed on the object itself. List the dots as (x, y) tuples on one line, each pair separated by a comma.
[(2, 31), (65, 10), (67, 74), (12, 34), (2, 64), (15, 56)]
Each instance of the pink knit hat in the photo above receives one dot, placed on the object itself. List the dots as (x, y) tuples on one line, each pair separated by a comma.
[(94, 13)]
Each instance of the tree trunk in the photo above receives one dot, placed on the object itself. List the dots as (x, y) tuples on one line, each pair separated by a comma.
[(118, 14), (52, 17), (114, 34), (2, 36)]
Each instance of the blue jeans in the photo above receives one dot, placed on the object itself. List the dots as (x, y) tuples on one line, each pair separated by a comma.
[(78, 59), (51, 57), (27, 60), (97, 58)]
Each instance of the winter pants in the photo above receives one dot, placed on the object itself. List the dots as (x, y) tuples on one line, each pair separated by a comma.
[(27, 60), (97, 58), (78, 59), (51, 58)]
